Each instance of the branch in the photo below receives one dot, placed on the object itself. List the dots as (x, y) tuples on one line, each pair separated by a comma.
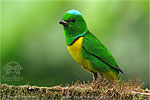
[(101, 89)]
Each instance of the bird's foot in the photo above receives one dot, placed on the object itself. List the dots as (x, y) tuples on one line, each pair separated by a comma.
[(95, 77)]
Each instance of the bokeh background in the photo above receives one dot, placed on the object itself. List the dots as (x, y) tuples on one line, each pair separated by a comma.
[(32, 37)]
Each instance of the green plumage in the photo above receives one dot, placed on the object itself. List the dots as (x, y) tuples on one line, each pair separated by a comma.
[(100, 57), (92, 49)]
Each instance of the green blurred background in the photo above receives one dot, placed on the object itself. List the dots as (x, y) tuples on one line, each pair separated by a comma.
[(32, 37)]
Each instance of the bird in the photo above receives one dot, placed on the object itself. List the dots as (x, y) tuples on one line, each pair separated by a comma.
[(86, 49)]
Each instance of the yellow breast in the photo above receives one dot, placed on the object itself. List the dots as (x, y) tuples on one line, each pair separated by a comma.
[(76, 53)]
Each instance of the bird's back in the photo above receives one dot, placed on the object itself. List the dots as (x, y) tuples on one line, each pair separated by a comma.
[(101, 59)]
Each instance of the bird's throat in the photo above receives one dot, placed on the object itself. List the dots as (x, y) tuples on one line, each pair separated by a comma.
[(71, 38)]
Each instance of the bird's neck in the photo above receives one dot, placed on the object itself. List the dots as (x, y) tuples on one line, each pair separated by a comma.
[(71, 37)]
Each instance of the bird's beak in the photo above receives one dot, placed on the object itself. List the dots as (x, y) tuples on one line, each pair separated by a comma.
[(63, 22)]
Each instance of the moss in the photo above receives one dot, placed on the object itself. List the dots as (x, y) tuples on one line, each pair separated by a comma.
[(101, 89)]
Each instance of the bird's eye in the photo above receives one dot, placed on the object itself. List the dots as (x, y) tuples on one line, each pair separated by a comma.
[(73, 20)]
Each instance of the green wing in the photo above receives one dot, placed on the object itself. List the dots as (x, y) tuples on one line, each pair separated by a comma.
[(95, 48)]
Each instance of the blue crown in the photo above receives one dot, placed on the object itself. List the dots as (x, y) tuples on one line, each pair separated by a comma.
[(75, 12)]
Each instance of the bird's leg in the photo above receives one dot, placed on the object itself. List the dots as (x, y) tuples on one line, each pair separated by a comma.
[(95, 76)]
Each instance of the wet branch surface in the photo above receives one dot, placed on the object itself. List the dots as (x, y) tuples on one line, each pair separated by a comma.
[(102, 89)]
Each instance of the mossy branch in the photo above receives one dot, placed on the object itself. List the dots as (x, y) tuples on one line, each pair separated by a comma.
[(102, 89)]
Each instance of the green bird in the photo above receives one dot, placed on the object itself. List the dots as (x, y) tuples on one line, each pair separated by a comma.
[(86, 49)]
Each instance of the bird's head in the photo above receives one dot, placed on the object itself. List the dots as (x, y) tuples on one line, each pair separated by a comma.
[(73, 22)]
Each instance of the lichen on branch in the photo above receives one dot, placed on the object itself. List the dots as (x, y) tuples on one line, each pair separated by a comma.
[(101, 89)]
